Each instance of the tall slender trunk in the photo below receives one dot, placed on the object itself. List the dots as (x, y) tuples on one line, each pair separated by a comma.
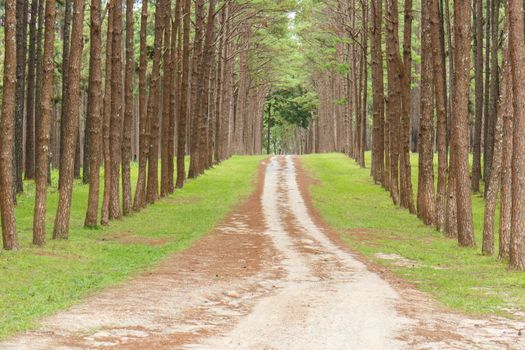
[(115, 133), (199, 152), (462, 16), (426, 209), (197, 84), (505, 219), (7, 124), (377, 90), (167, 87), (517, 57), (494, 185), (21, 53), (39, 67), (30, 101), (61, 228), (406, 80), (394, 96), (140, 190), (106, 117), (65, 69), (154, 101), (183, 104), (487, 117), (94, 113), (44, 132), (176, 49), (364, 68), (441, 111), (494, 87), (128, 112), (478, 70)]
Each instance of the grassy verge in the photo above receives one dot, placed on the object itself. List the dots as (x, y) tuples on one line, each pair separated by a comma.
[(38, 281), (367, 220)]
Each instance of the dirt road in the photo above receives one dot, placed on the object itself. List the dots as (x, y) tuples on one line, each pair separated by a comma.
[(271, 276)]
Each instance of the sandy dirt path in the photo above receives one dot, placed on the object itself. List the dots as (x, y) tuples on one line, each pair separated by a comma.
[(272, 275)]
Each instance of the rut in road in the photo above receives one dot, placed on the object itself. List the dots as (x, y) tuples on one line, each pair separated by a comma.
[(270, 276)]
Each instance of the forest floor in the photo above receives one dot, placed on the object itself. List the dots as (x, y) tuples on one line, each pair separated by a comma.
[(272, 275)]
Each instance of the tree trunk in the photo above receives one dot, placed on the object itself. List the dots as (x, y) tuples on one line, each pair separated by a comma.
[(394, 96), (128, 112), (494, 87), (167, 86), (71, 124), (115, 133), (441, 111), (426, 210), (407, 195), (377, 90), (478, 69), (106, 117), (94, 114), (7, 124), (504, 111), (21, 50), (517, 57), (44, 132), (140, 190), (65, 69), (505, 218), (197, 84), (183, 104), (199, 151), (462, 15), (176, 52), (30, 102), (154, 102)]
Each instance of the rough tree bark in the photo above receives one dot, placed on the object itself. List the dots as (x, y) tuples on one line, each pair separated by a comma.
[(94, 113), (493, 187), (505, 220), (441, 111), (462, 16), (7, 131), (65, 69), (196, 82), (183, 104), (140, 190), (167, 87), (478, 71), (21, 51), (30, 102), (128, 112), (44, 132), (394, 96), (517, 57), (407, 194), (426, 209), (153, 103), (106, 117), (115, 133), (494, 87), (377, 90), (61, 228)]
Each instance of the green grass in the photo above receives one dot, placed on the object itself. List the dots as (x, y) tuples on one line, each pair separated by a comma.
[(39, 281), (363, 213)]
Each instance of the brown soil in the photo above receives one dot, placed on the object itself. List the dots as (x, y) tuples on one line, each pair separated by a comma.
[(271, 275)]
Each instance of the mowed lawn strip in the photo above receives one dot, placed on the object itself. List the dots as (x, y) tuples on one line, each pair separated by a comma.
[(366, 219), (39, 281)]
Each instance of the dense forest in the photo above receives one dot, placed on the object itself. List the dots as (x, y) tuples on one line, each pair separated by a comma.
[(94, 91)]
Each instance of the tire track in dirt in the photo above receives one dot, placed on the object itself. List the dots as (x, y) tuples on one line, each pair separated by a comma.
[(272, 275)]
